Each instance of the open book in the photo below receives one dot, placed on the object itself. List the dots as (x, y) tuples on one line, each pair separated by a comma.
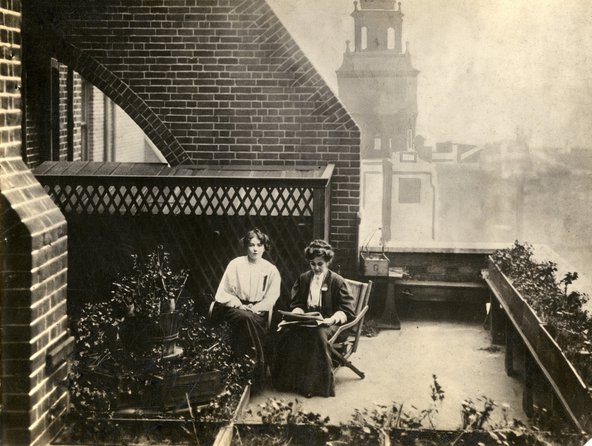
[(312, 319)]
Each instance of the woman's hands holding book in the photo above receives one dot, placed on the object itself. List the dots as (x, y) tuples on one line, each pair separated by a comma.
[(325, 321)]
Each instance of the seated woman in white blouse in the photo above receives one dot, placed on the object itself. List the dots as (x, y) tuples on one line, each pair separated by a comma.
[(248, 290)]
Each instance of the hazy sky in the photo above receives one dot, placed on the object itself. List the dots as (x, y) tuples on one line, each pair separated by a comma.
[(486, 66)]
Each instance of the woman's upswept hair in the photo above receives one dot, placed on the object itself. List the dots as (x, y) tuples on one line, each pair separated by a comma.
[(319, 248), (262, 236)]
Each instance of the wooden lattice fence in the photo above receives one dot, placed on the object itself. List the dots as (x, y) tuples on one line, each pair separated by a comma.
[(114, 210)]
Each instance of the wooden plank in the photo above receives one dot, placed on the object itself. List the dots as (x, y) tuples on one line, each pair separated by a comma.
[(440, 283), (177, 171), (44, 167), (90, 169), (106, 169), (123, 170), (569, 400), (327, 173), (243, 403), (318, 213), (224, 437), (145, 169), (74, 167), (235, 176), (58, 168)]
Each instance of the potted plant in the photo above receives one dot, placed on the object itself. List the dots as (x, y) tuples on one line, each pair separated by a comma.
[(150, 293)]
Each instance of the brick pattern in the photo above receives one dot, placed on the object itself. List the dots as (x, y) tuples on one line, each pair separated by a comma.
[(226, 79), (33, 273), (121, 93), (96, 124), (63, 107), (32, 152), (77, 112)]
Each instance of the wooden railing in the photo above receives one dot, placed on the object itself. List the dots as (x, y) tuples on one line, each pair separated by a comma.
[(199, 214), (567, 385)]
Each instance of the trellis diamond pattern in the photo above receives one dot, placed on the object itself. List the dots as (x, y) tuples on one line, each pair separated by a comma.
[(184, 200)]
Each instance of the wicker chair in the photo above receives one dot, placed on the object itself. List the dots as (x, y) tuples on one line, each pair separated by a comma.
[(345, 340)]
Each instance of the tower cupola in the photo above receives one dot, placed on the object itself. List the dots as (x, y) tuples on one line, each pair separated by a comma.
[(378, 25), (377, 81)]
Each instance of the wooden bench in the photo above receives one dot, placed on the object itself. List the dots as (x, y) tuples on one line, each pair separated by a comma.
[(439, 290)]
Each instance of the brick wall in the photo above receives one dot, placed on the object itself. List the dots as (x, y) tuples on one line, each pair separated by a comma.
[(63, 107), (95, 125), (33, 269), (77, 116), (225, 79)]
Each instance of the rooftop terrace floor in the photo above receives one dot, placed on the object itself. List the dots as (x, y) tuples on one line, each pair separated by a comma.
[(399, 367)]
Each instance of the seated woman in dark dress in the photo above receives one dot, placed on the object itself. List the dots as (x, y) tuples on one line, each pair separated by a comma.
[(302, 361), (248, 290)]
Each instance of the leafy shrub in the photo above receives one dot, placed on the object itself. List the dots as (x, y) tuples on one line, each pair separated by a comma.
[(561, 309), (283, 423), (106, 374), (367, 426), (150, 285)]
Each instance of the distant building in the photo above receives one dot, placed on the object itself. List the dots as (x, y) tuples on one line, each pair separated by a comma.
[(377, 82), (399, 197), (411, 215), (447, 152)]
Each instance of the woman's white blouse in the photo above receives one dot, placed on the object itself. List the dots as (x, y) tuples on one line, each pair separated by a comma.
[(315, 291), (255, 283)]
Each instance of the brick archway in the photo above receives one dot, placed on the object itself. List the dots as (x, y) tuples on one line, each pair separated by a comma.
[(122, 95)]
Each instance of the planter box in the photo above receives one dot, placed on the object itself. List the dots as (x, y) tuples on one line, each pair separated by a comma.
[(303, 434), (142, 431), (169, 393), (567, 384)]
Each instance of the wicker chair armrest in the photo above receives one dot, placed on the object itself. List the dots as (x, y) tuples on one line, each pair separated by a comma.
[(348, 325)]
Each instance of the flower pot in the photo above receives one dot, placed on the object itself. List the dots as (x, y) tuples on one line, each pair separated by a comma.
[(141, 336)]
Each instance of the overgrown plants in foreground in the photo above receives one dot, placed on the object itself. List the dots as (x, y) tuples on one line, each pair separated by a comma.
[(285, 423), (145, 352)]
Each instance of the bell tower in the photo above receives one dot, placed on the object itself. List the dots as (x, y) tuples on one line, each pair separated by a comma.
[(377, 82)]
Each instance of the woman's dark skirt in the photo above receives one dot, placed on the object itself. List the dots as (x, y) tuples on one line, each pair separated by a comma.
[(248, 337), (302, 361)]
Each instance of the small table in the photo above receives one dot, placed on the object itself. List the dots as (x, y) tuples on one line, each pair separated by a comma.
[(389, 320)]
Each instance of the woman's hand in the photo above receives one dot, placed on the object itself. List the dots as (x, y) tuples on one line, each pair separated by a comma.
[(298, 310), (329, 321)]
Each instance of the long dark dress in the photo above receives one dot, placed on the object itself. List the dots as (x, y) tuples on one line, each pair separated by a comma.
[(247, 283), (248, 334), (302, 361)]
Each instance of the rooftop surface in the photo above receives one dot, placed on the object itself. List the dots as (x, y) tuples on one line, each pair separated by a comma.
[(399, 366)]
